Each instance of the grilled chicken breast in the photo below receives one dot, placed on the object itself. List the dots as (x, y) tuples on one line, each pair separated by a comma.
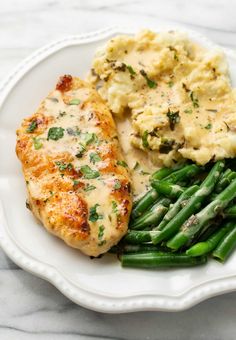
[(78, 183)]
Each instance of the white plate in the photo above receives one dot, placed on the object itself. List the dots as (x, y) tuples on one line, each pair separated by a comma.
[(99, 284)]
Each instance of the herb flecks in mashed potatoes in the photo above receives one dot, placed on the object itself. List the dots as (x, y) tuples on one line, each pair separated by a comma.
[(178, 94)]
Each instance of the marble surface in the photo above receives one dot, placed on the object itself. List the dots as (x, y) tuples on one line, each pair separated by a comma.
[(32, 308)]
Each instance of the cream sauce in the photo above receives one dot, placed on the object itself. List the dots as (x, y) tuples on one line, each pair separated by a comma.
[(140, 165)]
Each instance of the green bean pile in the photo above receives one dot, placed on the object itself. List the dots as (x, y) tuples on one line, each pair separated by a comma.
[(187, 215)]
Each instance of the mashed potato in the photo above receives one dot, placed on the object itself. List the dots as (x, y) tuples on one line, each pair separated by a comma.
[(177, 93)]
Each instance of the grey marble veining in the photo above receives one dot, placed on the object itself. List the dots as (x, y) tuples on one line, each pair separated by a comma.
[(32, 308)]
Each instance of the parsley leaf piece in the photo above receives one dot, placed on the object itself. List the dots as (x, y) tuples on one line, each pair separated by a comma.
[(63, 166), (170, 84), (142, 172), (89, 187), (136, 166), (144, 139), (131, 70), (93, 215), (53, 99), (174, 118), (94, 157), (89, 173), (114, 207), (73, 132), (211, 110), (117, 185), (74, 102), (208, 126), (32, 126), (62, 113), (88, 138), (37, 143), (194, 100), (81, 151), (122, 163), (188, 111), (55, 133), (166, 146), (101, 232), (75, 182), (151, 83)]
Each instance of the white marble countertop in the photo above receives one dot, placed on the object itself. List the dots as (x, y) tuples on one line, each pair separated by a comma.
[(32, 308)]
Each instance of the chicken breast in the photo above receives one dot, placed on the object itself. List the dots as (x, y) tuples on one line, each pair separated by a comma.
[(77, 180)]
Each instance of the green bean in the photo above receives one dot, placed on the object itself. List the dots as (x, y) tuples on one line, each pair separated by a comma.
[(230, 212), (226, 245), (202, 248), (151, 196), (161, 173), (168, 189), (198, 221), (164, 172), (133, 248), (193, 204), (144, 203), (137, 237), (152, 217), (184, 173), (160, 259), (225, 180), (173, 210)]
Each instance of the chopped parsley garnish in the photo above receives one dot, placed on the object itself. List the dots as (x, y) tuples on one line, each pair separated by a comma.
[(122, 163), (170, 83), (174, 118), (101, 232), (93, 215), (101, 229), (144, 139), (89, 187), (136, 166), (33, 125), (73, 131), (55, 133), (75, 182), (171, 48), (188, 111), (89, 173), (208, 126), (81, 151), (131, 70), (62, 113), (88, 138), (142, 172), (117, 185), (94, 157), (64, 166), (114, 207), (212, 110), (176, 56), (151, 83), (53, 99), (37, 143), (166, 146), (74, 102), (194, 100)]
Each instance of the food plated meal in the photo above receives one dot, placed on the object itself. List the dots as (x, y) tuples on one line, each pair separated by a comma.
[(174, 112)]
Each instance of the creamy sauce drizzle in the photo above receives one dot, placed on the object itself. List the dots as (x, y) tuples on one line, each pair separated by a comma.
[(140, 165)]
